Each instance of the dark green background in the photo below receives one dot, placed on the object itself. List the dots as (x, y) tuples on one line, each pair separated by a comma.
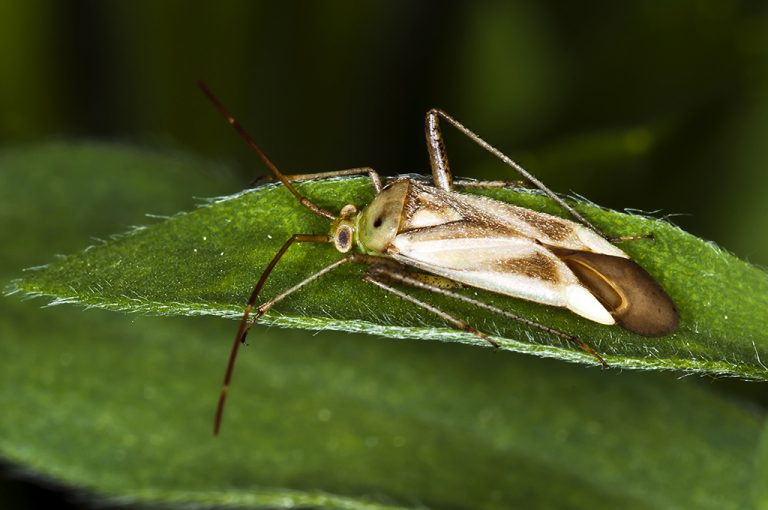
[(648, 105)]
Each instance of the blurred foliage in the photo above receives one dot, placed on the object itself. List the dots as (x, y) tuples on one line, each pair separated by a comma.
[(649, 105)]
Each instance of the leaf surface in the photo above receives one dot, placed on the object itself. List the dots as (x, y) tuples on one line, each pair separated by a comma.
[(122, 406), (205, 262)]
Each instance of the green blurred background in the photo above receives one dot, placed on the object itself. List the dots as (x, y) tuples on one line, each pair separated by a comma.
[(656, 106), (648, 105)]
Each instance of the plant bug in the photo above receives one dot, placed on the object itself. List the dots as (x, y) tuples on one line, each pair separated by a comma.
[(433, 238)]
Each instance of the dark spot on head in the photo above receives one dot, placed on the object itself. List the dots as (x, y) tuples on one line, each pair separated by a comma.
[(377, 222)]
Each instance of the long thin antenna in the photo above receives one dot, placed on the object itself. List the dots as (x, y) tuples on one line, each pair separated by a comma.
[(272, 168), (242, 330)]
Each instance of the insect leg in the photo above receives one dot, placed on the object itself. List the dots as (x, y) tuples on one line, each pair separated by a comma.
[(438, 156), (242, 330), (407, 279), (355, 257), (460, 324), (437, 281), (373, 174), (464, 183), (316, 209), (439, 161), (264, 307)]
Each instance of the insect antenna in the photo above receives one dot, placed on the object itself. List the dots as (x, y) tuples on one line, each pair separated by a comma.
[(253, 145), (439, 161), (242, 330)]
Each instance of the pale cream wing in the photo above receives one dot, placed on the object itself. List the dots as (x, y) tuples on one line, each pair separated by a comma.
[(428, 207), (507, 264)]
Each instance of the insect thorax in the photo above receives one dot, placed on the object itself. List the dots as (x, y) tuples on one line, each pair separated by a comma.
[(379, 222)]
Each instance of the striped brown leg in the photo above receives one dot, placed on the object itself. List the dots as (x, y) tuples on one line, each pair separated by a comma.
[(242, 330), (405, 278), (441, 170), (458, 323), (465, 183), (264, 307)]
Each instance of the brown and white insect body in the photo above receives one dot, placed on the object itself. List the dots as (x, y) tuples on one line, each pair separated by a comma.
[(513, 251), (412, 234)]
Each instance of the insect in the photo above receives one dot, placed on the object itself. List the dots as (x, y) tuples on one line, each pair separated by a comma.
[(433, 238)]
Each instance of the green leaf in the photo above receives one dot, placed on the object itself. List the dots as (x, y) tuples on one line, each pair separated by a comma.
[(122, 406), (205, 262), (336, 421)]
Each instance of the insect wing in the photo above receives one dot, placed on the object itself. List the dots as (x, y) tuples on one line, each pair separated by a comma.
[(523, 253), (496, 246), (510, 265), (427, 206)]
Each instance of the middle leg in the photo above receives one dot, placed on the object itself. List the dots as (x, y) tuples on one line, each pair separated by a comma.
[(398, 275)]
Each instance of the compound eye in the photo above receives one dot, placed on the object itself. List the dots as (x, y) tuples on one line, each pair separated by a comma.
[(377, 222), (343, 238)]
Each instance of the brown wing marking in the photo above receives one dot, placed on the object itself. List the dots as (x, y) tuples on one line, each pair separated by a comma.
[(557, 230), (423, 208), (463, 229), (629, 293), (426, 206), (537, 266)]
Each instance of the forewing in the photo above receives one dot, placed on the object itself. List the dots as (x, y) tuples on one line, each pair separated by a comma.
[(497, 260), (527, 254), (430, 207)]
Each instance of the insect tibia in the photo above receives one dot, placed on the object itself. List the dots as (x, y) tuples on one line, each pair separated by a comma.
[(430, 280), (380, 277), (589, 350), (466, 327), (437, 281), (463, 183)]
